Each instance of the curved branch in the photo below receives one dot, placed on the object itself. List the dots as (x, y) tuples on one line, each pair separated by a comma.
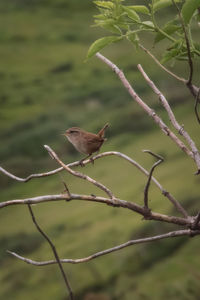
[(186, 232), (146, 190), (104, 154), (77, 163), (54, 252)]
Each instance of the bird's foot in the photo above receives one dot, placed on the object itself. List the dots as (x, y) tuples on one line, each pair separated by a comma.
[(92, 160), (81, 163)]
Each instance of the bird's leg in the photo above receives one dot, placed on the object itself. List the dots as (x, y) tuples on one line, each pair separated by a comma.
[(82, 160), (92, 160)]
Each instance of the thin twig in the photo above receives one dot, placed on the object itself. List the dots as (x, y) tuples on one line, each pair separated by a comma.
[(154, 154), (193, 89), (190, 62), (161, 66), (78, 174), (66, 190), (54, 252), (177, 126), (196, 106), (146, 190), (177, 233), (77, 163), (101, 155)]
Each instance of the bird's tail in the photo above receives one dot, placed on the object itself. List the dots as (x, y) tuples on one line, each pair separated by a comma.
[(102, 131)]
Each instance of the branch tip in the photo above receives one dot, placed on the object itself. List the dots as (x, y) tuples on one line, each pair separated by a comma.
[(154, 154)]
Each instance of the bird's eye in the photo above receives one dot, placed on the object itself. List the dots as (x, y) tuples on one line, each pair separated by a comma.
[(73, 131)]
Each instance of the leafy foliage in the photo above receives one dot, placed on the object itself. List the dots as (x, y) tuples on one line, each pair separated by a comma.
[(130, 21)]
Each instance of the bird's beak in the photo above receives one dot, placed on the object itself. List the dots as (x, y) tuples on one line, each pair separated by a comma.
[(62, 134)]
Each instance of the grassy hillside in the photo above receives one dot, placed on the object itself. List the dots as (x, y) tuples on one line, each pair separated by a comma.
[(45, 88)]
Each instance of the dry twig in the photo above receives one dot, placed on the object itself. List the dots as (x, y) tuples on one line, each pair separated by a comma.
[(177, 233), (54, 252), (168, 195), (146, 190), (78, 174), (116, 203), (148, 110), (177, 126)]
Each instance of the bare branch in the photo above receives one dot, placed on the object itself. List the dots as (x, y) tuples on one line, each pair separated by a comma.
[(26, 179), (54, 252), (196, 106), (148, 110), (80, 175), (146, 190), (186, 232), (177, 126), (112, 202), (77, 163), (119, 154)]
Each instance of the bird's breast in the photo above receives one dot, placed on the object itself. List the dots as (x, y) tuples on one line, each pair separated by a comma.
[(79, 144)]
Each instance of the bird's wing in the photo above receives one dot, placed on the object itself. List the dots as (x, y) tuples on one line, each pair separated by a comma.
[(94, 140)]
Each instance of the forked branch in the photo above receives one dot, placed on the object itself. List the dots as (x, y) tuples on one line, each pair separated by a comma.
[(145, 107), (167, 194), (177, 126), (78, 174), (93, 198)]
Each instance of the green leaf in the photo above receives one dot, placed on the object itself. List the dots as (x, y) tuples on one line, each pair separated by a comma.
[(101, 43), (100, 17), (163, 3), (140, 9), (197, 46), (169, 55), (148, 25), (169, 28), (188, 9), (109, 25), (133, 38), (104, 4), (131, 13)]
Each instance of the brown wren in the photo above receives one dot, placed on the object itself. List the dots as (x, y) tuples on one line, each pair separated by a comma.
[(86, 142)]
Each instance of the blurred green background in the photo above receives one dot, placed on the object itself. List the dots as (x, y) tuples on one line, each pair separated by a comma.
[(46, 87)]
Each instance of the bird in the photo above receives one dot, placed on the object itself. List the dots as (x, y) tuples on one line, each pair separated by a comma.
[(86, 142)]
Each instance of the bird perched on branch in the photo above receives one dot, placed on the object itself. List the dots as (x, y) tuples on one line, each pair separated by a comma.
[(86, 142)]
